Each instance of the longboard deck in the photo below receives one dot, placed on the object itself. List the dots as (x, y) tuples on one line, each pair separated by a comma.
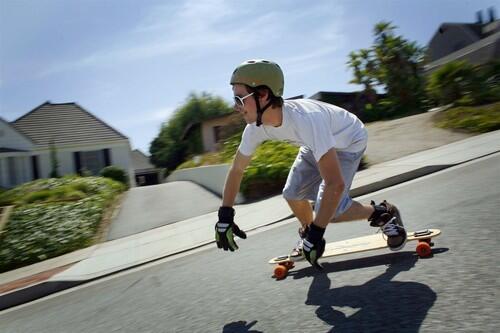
[(360, 244)]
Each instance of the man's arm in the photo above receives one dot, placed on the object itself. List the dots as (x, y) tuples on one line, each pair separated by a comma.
[(233, 179), (329, 168)]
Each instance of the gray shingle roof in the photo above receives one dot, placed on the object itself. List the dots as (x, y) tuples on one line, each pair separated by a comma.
[(141, 161), (65, 123), (482, 51)]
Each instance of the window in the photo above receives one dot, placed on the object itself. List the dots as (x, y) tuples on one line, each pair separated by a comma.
[(11, 167), (92, 161)]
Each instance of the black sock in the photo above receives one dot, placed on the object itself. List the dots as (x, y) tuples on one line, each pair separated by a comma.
[(315, 233)]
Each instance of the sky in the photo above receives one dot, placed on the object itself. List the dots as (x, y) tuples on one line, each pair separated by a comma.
[(133, 63)]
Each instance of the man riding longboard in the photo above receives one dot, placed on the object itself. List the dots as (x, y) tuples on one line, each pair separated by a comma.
[(332, 142)]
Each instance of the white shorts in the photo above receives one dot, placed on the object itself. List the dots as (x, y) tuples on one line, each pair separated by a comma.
[(304, 180)]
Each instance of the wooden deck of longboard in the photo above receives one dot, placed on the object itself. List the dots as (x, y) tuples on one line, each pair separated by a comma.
[(359, 244)]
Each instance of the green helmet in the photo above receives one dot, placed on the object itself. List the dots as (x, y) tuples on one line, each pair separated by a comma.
[(256, 73)]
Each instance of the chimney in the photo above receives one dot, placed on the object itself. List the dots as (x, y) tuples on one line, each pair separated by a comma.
[(479, 16), (491, 12)]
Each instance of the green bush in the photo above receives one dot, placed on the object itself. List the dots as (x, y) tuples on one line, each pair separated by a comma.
[(53, 217), (478, 119), (115, 173), (464, 84), (43, 195), (268, 169)]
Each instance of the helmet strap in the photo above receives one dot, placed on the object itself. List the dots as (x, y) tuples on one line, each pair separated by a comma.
[(260, 110)]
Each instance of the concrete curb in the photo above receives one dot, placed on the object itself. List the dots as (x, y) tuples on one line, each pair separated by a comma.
[(395, 180), (34, 292)]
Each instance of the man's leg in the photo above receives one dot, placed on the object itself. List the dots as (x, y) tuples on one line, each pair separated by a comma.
[(302, 185), (356, 212), (302, 210)]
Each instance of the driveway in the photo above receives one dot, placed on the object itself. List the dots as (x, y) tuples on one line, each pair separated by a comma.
[(149, 207), (389, 140)]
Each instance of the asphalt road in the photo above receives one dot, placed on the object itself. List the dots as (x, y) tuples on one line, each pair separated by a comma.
[(211, 291)]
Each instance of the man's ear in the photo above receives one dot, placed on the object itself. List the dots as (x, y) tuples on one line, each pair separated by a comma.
[(264, 94)]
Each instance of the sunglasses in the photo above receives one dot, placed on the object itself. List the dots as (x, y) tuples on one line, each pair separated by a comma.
[(239, 101)]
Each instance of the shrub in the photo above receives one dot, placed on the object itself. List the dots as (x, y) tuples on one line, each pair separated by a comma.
[(472, 119), (269, 169), (115, 173), (53, 217), (37, 196), (461, 83)]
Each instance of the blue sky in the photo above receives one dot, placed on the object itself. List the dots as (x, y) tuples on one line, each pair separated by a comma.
[(132, 63)]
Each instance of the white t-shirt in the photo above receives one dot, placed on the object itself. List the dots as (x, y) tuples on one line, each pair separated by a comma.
[(313, 124)]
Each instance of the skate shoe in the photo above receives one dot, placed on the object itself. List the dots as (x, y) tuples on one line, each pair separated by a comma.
[(388, 219)]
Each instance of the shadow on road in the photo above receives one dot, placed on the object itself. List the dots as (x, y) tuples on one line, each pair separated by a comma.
[(239, 327), (378, 305)]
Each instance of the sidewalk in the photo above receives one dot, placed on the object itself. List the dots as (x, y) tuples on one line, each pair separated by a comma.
[(32, 282)]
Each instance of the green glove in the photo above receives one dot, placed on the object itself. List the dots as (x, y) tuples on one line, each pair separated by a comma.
[(314, 245), (225, 229)]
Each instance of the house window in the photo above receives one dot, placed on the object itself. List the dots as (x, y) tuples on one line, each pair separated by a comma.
[(11, 167), (34, 167), (92, 161)]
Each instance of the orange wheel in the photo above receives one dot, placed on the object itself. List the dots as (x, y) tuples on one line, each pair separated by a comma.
[(424, 249), (280, 272)]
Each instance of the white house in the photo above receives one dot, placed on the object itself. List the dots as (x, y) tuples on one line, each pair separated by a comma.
[(81, 141)]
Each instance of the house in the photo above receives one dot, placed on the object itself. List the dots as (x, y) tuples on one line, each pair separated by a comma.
[(145, 172), (217, 129), (81, 142), (477, 43)]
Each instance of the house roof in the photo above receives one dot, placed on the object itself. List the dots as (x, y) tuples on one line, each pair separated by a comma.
[(14, 129), (140, 162), (66, 123), (482, 51), (9, 150), (473, 29)]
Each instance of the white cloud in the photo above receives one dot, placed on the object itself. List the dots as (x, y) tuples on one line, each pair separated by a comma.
[(152, 117), (196, 26), (194, 29)]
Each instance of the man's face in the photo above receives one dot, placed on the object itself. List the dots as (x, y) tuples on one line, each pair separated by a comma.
[(245, 106)]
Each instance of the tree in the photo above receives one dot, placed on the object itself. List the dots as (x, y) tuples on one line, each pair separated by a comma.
[(393, 64), (180, 137)]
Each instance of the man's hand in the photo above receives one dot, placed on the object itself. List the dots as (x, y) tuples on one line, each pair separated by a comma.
[(225, 229), (314, 245)]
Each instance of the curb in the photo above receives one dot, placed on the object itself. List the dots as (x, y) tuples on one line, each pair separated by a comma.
[(34, 292), (401, 178)]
